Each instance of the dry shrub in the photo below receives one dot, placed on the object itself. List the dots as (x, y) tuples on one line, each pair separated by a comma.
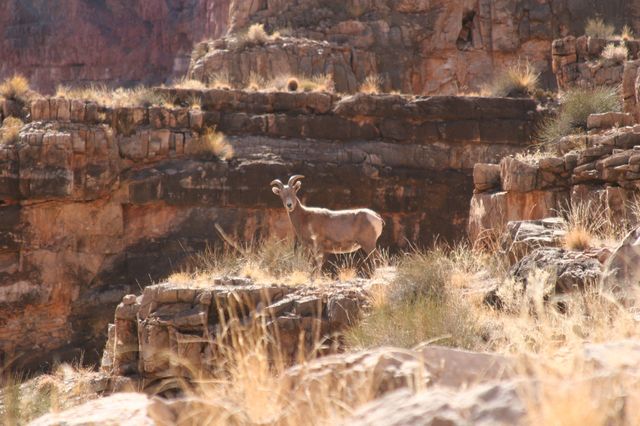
[(372, 84), (262, 261), (424, 303), (22, 399), (588, 224), (211, 142), (251, 385), (10, 130), (626, 33), (285, 83), (575, 107), (292, 84), (187, 83), (219, 80), (597, 28), (15, 87), (617, 54), (518, 80), (255, 35), (114, 98)]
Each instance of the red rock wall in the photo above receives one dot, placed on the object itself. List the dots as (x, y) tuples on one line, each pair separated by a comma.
[(114, 42), (417, 46), (97, 202)]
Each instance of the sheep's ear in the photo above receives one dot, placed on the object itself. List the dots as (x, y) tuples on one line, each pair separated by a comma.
[(297, 186), (276, 190)]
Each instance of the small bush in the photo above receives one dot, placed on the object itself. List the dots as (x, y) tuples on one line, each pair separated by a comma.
[(585, 223), (220, 80), (212, 142), (617, 54), (15, 87), (256, 35), (626, 33), (596, 28), (372, 84), (421, 303), (575, 107), (10, 129), (292, 85), (518, 80)]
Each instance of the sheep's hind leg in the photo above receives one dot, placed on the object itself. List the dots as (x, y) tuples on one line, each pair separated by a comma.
[(367, 265)]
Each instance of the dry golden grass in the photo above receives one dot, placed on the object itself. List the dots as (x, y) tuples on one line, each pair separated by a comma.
[(372, 84), (22, 399), (15, 87), (291, 83), (626, 33), (10, 130), (211, 142), (219, 80), (597, 28), (617, 54), (519, 79), (114, 98), (187, 83), (255, 35)]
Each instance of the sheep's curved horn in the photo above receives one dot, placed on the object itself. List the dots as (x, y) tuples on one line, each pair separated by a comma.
[(278, 183), (293, 179)]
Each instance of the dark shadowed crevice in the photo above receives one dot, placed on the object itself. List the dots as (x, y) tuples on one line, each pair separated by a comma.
[(465, 38)]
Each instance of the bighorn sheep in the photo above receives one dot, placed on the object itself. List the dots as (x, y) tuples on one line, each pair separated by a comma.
[(329, 231)]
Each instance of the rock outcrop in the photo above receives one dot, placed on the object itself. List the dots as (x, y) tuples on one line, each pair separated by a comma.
[(436, 47), (97, 201), (173, 330), (579, 62), (603, 170)]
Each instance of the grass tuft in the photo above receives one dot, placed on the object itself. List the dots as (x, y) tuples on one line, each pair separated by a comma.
[(617, 54), (423, 303), (626, 33), (10, 130), (372, 84), (114, 98), (518, 80), (15, 87), (187, 83), (211, 142), (597, 28), (575, 107)]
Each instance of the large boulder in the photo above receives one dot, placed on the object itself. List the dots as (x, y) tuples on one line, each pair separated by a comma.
[(524, 236), (550, 271), (487, 404), (622, 269)]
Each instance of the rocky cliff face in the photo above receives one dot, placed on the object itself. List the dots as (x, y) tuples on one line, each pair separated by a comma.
[(113, 42), (435, 47), (97, 201)]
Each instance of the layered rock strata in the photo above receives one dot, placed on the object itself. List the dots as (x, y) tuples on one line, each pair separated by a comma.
[(173, 331), (579, 61), (98, 202), (603, 171)]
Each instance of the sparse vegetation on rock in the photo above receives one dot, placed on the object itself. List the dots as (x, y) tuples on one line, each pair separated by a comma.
[(597, 28), (120, 97), (10, 129), (372, 84), (15, 88), (615, 53), (518, 80), (575, 107)]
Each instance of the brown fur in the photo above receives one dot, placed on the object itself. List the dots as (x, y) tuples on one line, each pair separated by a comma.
[(329, 231)]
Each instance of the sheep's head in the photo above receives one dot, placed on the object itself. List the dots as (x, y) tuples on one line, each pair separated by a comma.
[(287, 193)]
